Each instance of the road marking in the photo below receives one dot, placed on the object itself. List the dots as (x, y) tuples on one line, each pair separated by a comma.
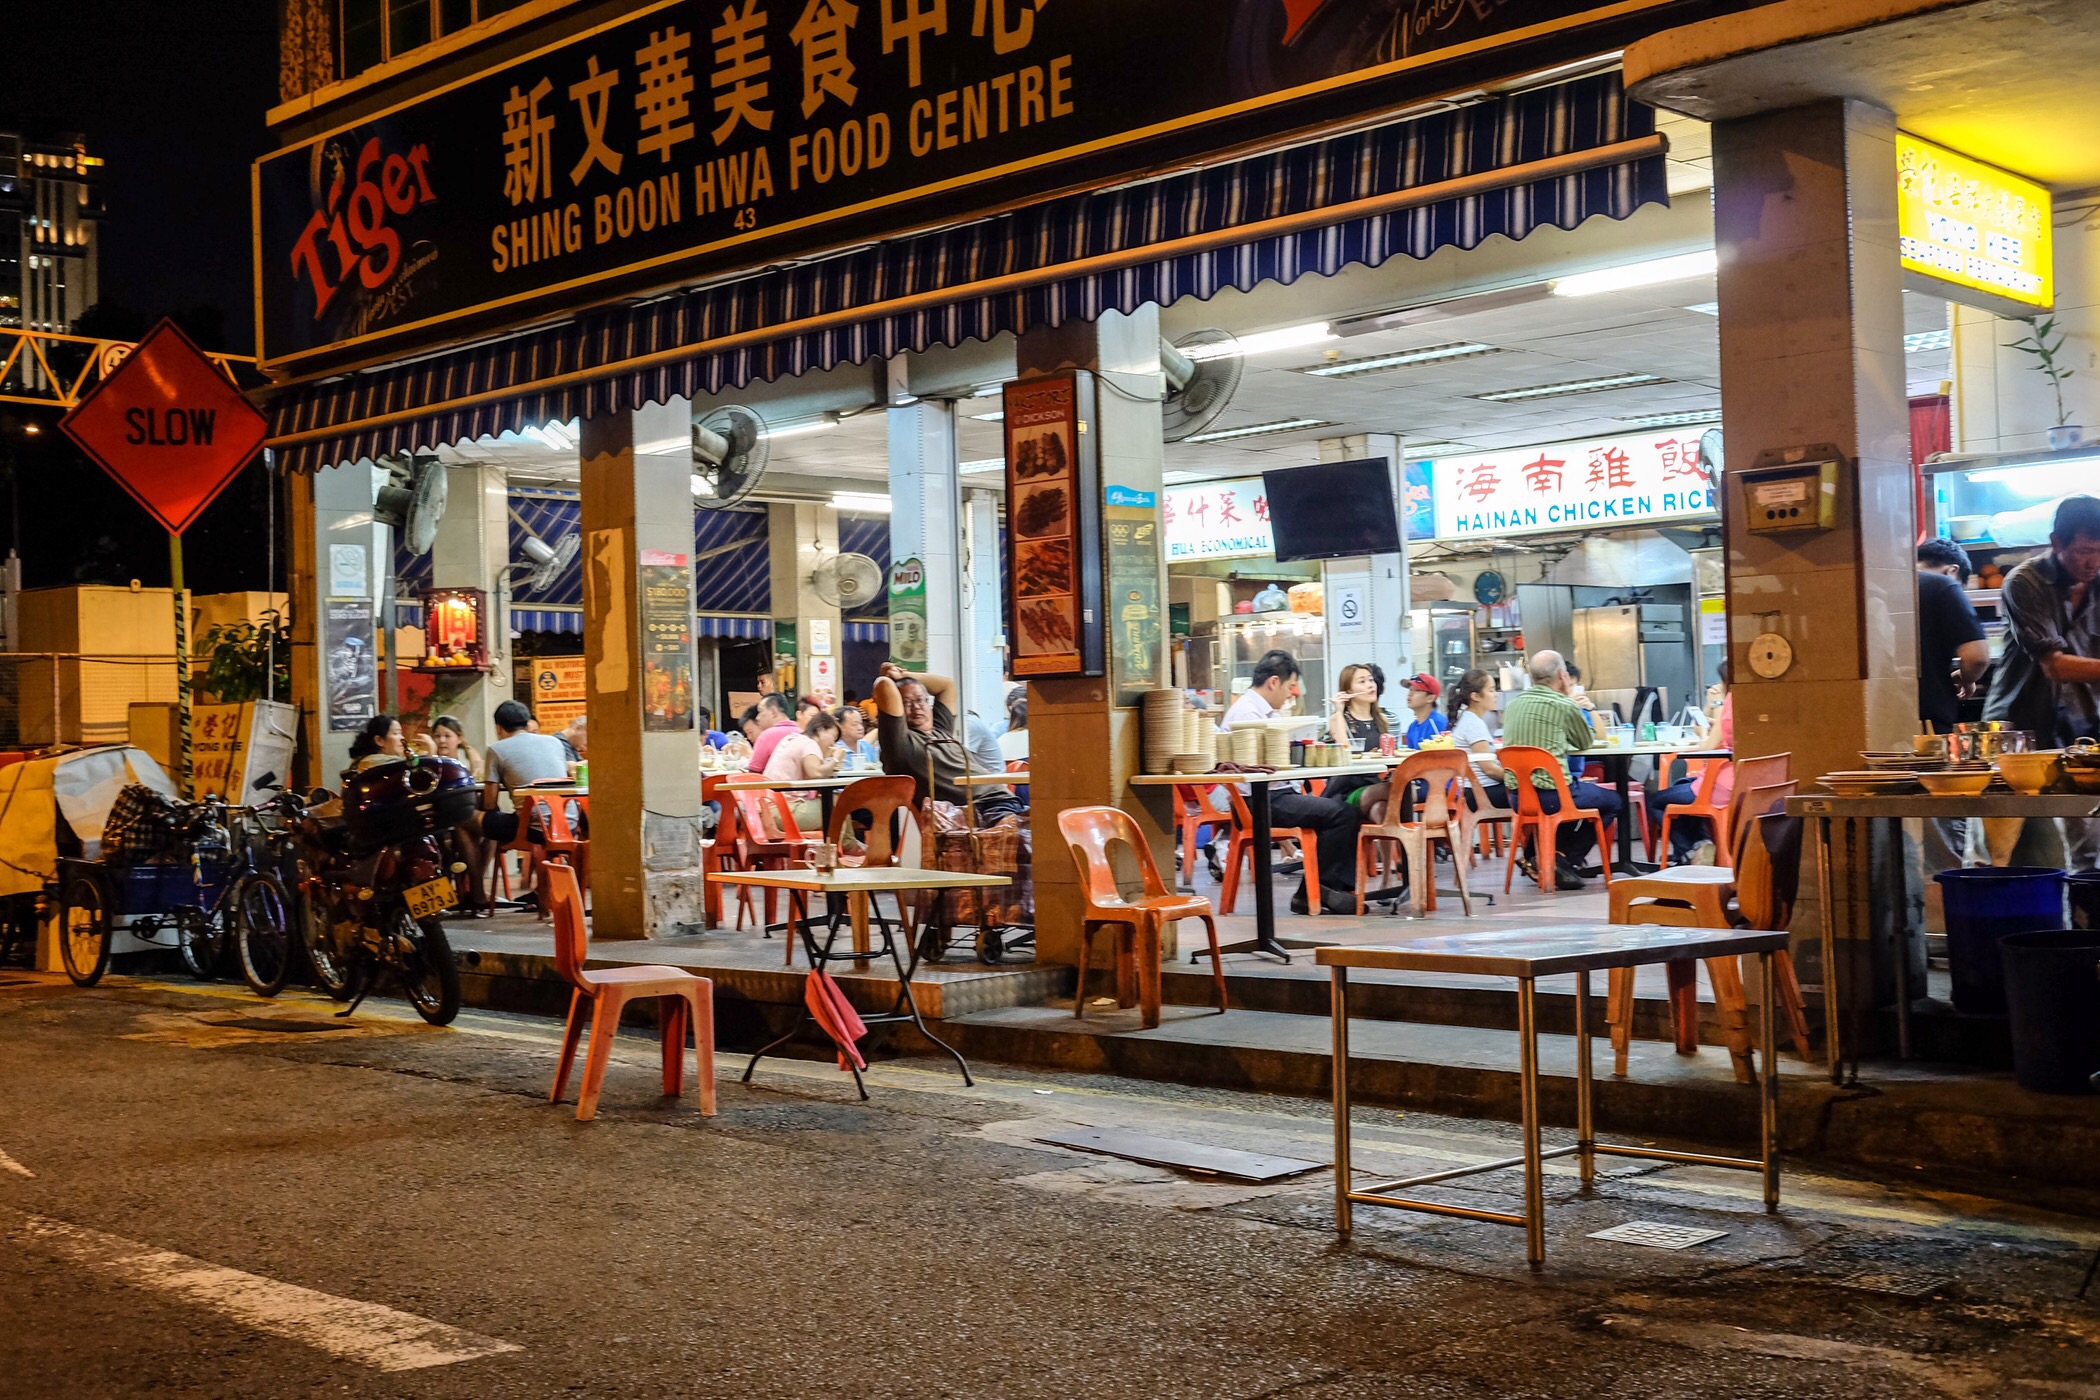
[(9, 1164), (366, 1333)]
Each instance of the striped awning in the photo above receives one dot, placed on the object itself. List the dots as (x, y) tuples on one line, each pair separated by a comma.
[(876, 632), (1554, 156), (748, 629)]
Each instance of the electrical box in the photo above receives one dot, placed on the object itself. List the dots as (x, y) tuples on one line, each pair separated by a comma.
[(1797, 491)]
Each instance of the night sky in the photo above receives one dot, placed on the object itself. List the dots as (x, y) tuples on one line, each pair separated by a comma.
[(173, 96)]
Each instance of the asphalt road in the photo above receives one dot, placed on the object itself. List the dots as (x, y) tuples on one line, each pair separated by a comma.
[(193, 1203)]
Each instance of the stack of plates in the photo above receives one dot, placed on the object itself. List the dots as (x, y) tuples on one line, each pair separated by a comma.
[(1246, 745), (1894, 761), (1191, 763), (1203, 737), (1869, 783), (1276, 746), (1163, 729)]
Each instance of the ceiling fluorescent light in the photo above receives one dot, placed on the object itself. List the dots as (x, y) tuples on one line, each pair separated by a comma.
[(1706, 308), (864, 501), (1674, 420), (982, 466), (788, 430), (1281, 425), (1927, 340), (1289, 338), (1640, 274), (1416, 451), (1399, 359), (997, 417), (1572, 386)]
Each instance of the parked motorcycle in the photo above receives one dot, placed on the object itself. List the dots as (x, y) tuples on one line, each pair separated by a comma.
[(377, 871)]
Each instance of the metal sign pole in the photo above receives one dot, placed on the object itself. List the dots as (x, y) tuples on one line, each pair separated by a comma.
[(182, 667)]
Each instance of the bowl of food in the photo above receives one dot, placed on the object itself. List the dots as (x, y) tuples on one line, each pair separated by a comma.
[(1957, 784), (2030, 773)]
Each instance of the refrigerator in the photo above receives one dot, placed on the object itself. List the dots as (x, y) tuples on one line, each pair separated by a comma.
[(1625, 647)]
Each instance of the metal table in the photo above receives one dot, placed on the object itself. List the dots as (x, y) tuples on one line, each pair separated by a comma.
[(827, 789), (1821, 810), (859, 886), (1257, 786), (1527, 954), (1618, 771)]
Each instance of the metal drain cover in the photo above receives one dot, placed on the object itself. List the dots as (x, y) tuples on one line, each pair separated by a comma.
[(1653, 1234), (1898, 1284), (270, 1023)]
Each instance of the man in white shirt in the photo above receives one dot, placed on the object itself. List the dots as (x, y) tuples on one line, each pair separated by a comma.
[(1334, 824)]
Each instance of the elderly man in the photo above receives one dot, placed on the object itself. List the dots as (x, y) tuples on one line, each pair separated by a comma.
[(917, 731), (776, 720), (1546, 717)]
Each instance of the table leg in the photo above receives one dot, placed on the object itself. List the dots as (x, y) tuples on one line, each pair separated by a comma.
[(1768, 1050), (1622, 780), (1899, 881), (1534, 1163), (857, 911), (1585, 1088), (1264, 940), (1826, 905), (1342, 1221), (795, 928), (825, 798)]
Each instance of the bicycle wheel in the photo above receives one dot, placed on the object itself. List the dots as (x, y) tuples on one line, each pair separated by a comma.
[(328, 957), (83, 928), (198, 933), (423, 956), (263, 933)]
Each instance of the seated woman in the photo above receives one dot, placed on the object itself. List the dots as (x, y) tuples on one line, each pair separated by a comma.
[(379, 741), (1355, 718), (1472, 698), (807, 753), (449, 738)]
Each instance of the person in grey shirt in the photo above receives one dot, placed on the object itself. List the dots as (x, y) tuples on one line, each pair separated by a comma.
[(518, 759), (2048, 680)]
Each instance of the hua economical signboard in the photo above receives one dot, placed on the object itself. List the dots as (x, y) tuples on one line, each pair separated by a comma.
[(1217, 519), (1971, 232), (1600, 483), (689, 138)]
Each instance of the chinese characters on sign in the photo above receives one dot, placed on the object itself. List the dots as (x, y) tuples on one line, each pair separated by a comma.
[(1615, 481), (1217, 519), (1966, 228)]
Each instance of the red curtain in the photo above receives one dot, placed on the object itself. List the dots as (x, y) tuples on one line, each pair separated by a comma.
[(1931, 430)]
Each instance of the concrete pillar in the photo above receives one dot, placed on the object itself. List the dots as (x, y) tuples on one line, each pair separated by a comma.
[(1811, 322), (1812, 352), (471, 551), (983, 672), (645, 771), (1083, 747), (925, 525), (1374, 631), (800, 537), (351, 556)]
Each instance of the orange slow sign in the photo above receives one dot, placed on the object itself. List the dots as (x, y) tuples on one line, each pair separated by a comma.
[(168, 426)]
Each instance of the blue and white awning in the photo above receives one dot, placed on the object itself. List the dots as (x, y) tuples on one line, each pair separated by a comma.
[(623, 356), (872, 632), (746, 629)]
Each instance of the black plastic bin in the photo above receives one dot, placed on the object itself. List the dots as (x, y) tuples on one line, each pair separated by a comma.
[(1982, 905), (2085, 899), (2052, 989)]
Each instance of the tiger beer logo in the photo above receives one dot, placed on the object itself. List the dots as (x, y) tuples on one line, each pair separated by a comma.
[(353, 233)]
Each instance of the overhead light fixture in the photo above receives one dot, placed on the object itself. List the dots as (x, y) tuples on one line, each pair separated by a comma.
[(562, 437), (1399, 359), (1572, 386), (1281, 425), (866, 502), (1417, 451), (997, 416), (1706, 308), (1183, 478), (1640, 274), (1674, 420), (1927, 340), (982, 466), (1289, 338), (815, 425)]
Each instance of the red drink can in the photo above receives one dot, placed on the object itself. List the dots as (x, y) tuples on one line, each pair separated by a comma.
[(1387, 744)]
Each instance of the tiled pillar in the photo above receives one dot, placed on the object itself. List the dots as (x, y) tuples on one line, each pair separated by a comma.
[(1811, 322), (472, 550), (1082, 746), (801, 537), (637, 521)]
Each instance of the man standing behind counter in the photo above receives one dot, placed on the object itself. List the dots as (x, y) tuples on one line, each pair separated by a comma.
[(2048, 680)]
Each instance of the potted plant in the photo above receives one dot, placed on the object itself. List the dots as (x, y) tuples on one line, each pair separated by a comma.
[(2038, 344), (240, 659)]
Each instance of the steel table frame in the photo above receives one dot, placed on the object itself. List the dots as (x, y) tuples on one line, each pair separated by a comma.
[(859, 886), (1618, 770), (1528, 954), (1265, 940)]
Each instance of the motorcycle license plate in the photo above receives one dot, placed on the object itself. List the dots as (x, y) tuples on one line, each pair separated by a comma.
[(431, 898)]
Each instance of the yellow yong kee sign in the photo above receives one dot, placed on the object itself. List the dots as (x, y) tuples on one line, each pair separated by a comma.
[(1969, 226)]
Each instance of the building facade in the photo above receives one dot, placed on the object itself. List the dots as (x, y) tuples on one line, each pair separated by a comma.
[(50, 231)]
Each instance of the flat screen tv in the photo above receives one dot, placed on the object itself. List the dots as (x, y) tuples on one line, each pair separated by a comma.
[(1336, 510)]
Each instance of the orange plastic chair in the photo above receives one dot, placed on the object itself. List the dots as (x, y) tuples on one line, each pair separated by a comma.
[(689, 998), (1089, 832), (1438, 817), (1519, 762), (1708, 801), (549, 816), (1240, 850), (718, 852), (759, 849), (1193, 812), (882, 798)]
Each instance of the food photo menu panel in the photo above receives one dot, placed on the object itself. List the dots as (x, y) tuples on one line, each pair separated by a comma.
[(1053, 521)]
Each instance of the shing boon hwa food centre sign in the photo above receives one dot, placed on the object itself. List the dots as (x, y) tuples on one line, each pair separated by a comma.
[(694, 138)]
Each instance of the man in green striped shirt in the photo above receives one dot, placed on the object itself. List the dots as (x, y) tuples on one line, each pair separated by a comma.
[(1545, 717)]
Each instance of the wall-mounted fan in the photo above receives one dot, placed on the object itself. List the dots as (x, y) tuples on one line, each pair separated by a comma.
[(413, 501), (729, 455), (546, 562), (847, 581), (1199, 385), (1710, 455)]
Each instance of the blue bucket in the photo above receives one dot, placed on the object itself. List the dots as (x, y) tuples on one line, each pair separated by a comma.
[(1983, 905)]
